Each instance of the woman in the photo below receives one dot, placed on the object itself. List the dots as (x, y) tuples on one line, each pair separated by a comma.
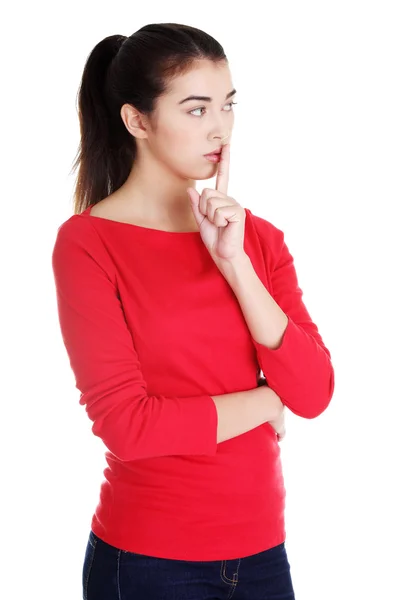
[(171, 303)]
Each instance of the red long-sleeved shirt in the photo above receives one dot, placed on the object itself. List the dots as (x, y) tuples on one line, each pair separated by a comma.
[(152, 330)]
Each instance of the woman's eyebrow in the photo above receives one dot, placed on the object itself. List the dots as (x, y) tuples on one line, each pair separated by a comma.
[(205, 98)]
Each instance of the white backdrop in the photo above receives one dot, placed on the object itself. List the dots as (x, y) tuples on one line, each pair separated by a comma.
[(318, 102)]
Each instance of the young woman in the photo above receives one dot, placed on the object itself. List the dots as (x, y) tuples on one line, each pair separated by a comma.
[(171, 304)]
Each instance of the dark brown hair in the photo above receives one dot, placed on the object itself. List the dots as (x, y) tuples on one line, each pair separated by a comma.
[(134, 70)]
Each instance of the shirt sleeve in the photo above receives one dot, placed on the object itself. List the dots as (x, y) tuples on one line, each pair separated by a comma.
[(300, 370), (132, 424)]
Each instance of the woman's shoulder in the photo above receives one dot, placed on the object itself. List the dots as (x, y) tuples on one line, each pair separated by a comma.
[(75, 228), (269, 234)]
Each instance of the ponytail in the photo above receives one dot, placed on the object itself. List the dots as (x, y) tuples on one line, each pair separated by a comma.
[(105, 151)]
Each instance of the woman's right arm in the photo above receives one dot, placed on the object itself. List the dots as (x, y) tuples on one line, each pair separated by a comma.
[(132, 423), (240, 412)]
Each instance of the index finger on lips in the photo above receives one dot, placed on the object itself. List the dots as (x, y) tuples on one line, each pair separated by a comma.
[(223, 170)]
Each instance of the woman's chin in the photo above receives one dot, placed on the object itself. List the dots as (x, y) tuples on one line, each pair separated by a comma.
[(207, 172), (211, 167)]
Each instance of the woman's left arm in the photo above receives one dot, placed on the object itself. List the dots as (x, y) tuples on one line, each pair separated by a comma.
[(290, 350)]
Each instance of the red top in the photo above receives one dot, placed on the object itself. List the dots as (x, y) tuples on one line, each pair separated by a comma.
[(152, 329)]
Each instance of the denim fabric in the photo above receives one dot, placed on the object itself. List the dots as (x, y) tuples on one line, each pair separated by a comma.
[(113, 574)]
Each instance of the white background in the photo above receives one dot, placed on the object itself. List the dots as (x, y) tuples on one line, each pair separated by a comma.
[(315, 150)]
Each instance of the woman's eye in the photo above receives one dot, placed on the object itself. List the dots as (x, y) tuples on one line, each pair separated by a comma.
[(203, 108)]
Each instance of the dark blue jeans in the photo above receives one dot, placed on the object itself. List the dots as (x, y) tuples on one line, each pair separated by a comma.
[(113, 574)]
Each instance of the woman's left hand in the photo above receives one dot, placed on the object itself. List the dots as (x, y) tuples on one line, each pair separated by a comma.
[(220, 217)]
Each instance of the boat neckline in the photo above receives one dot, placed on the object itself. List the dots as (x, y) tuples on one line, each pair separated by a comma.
[(86, 213)]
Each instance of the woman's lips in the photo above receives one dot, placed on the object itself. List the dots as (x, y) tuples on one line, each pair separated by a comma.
[(217, 151), (213, 157)]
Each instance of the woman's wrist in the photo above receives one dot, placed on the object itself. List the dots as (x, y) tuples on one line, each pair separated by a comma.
[(269, 401)]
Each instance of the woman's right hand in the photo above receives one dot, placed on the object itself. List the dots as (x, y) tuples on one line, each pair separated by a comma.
[(279, 424)]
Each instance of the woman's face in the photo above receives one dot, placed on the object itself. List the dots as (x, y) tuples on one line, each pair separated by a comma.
[(186, 130)]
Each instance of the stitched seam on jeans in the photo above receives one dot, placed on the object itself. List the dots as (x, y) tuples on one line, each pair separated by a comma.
[(118, 564), (89, 566), (224, 578)]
